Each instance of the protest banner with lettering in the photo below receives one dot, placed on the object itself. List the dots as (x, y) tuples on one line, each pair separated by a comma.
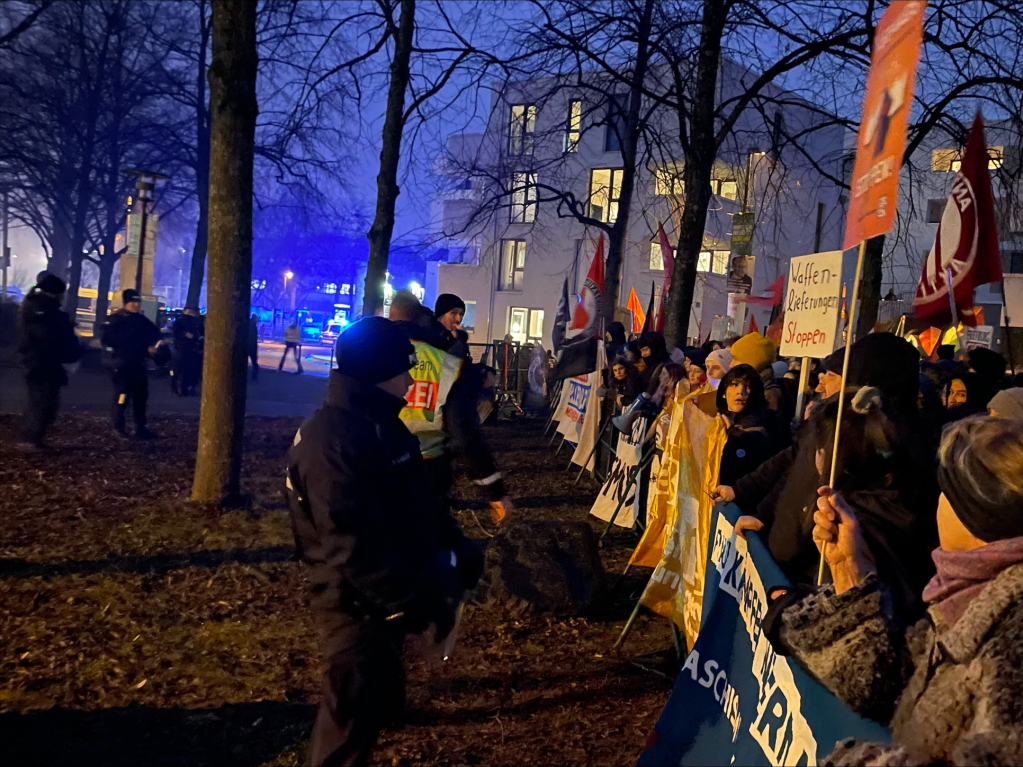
[(584, 447), (979, 337), (736, 701), (812, 305), (575, 399), (615, 489), (882, 137)]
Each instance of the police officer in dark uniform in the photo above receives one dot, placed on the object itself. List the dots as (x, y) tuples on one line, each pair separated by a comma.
[(130, 338), (383, 555), (188, 331), (47, 341)]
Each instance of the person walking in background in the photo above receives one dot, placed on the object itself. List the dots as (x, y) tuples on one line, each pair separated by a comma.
[(47, 342), (254, 345), (449, 312), (188, 338), (130, 337), (383, 556), (292, 343)]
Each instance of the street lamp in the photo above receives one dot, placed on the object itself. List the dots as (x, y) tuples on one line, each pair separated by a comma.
[(145, 181)]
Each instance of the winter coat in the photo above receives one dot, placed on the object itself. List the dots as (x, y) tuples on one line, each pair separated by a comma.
[(47, 339), (183, 326), (749, 444), (629, 388), (129, 335), (949, 693), (375, 538)]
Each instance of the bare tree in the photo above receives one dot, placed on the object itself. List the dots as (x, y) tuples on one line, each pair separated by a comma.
[(233, 110)]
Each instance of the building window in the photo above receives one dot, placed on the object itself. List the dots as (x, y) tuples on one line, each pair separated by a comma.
[(605, 189), (935, 210), (329, 288), (656, 257), (574, 126), (523, 198), (617, 109), (521, 128), (948, 160), (668, 182), (525, 325), (713, 261), (725, 187), (1015, 262), (513, 264), (469, 318)]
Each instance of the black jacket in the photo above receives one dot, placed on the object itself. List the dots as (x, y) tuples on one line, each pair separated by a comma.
[(629, 389), (376, 541), (184, 325), (47, 339), (749, 444), (129, 335)]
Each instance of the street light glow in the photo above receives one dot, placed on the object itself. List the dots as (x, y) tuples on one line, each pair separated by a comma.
[(288, 275)]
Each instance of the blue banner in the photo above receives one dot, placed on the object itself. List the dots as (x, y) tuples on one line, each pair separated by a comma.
[(736, 701)]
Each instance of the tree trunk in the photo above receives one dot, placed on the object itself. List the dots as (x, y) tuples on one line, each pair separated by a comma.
[(699, 162), (629, 144), (233, 110), (106, 276), (870, 286), (390, 153), (197, 267)]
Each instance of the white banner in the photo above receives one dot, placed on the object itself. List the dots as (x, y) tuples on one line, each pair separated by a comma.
[(627, 454), (812, 305), (575, 396), (591, 421)]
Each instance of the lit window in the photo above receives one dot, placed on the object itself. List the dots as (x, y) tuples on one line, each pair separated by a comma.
[(524, 324), (950, 161), (668, 182), (703, 262), (605, 189), (656, 257), (719, 263), (728, 189), (258, 284), (523, 198), (574, 126), (469, 318), (513, 264), (330, 288), (535, 324), (521, 128)]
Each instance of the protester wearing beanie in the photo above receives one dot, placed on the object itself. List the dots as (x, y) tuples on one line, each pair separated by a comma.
[(1008, 403), (949, 685), (46, 342), (383, 556), (755, 350), (449, 311), (989, 364)]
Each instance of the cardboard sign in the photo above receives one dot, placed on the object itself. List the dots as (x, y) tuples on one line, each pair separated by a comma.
[(979, 337), (882, 137), (812, 305)]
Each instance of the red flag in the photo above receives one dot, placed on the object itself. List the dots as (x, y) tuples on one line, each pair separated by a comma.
[(651, 311), (966, 241), (774, 329), (587, 310), (668, 258), (753, 324), (775, 292)]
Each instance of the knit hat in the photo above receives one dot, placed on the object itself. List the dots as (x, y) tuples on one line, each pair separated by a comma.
[(51, 284), (129, 295), (374, 350), (1008, 403), (884, 361), (722, 357), (780, 368), (446, 302), (698, 357), (754, 350), (987, 363)]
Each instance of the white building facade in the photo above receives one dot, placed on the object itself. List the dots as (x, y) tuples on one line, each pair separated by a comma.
[(549, 149)]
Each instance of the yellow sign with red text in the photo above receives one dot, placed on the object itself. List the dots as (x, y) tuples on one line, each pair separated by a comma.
[(882, 137)]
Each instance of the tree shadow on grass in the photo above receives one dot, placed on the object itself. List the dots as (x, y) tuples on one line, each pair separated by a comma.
[(232, 735)]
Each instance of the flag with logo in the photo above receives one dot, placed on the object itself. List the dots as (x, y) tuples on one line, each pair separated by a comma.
[(578, 355), (966, 244), (561, 319)]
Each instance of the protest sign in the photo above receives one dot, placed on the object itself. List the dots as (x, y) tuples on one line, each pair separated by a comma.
[(979, 337), (616, 487), (812, 305), (882, 137), (736, 701), (575, 399)]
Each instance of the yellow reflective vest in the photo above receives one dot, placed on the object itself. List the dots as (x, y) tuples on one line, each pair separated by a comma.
[(433, 376)]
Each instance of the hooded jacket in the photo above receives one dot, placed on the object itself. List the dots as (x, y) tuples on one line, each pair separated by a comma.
[(47, 339)]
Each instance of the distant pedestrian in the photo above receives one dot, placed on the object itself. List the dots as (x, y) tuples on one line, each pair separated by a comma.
[(254, 345), (47, 342), (292, 343), (188, 340), (130, 338)]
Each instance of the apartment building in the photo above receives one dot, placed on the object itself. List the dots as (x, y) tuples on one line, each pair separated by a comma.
[(509, 215)]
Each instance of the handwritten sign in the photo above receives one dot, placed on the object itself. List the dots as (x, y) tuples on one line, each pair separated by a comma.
[(812, 305)]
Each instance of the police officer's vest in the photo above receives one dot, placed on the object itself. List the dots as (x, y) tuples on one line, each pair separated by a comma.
[(434, 374)]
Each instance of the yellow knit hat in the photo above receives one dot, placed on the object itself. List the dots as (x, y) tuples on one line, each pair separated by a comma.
[(756, 350)]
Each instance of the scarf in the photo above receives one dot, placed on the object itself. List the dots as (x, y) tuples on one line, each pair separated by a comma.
[(962, 575)]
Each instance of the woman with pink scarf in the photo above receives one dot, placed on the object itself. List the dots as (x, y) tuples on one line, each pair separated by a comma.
[(950, 686)]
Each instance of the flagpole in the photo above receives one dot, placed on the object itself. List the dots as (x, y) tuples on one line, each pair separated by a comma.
[(1008, 336), (850, 336), (955, 314)]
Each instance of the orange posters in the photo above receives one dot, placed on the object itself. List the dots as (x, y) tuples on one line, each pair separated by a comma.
[(882, 137)]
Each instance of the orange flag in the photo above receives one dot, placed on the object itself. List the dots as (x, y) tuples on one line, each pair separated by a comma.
[(638, 315)]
